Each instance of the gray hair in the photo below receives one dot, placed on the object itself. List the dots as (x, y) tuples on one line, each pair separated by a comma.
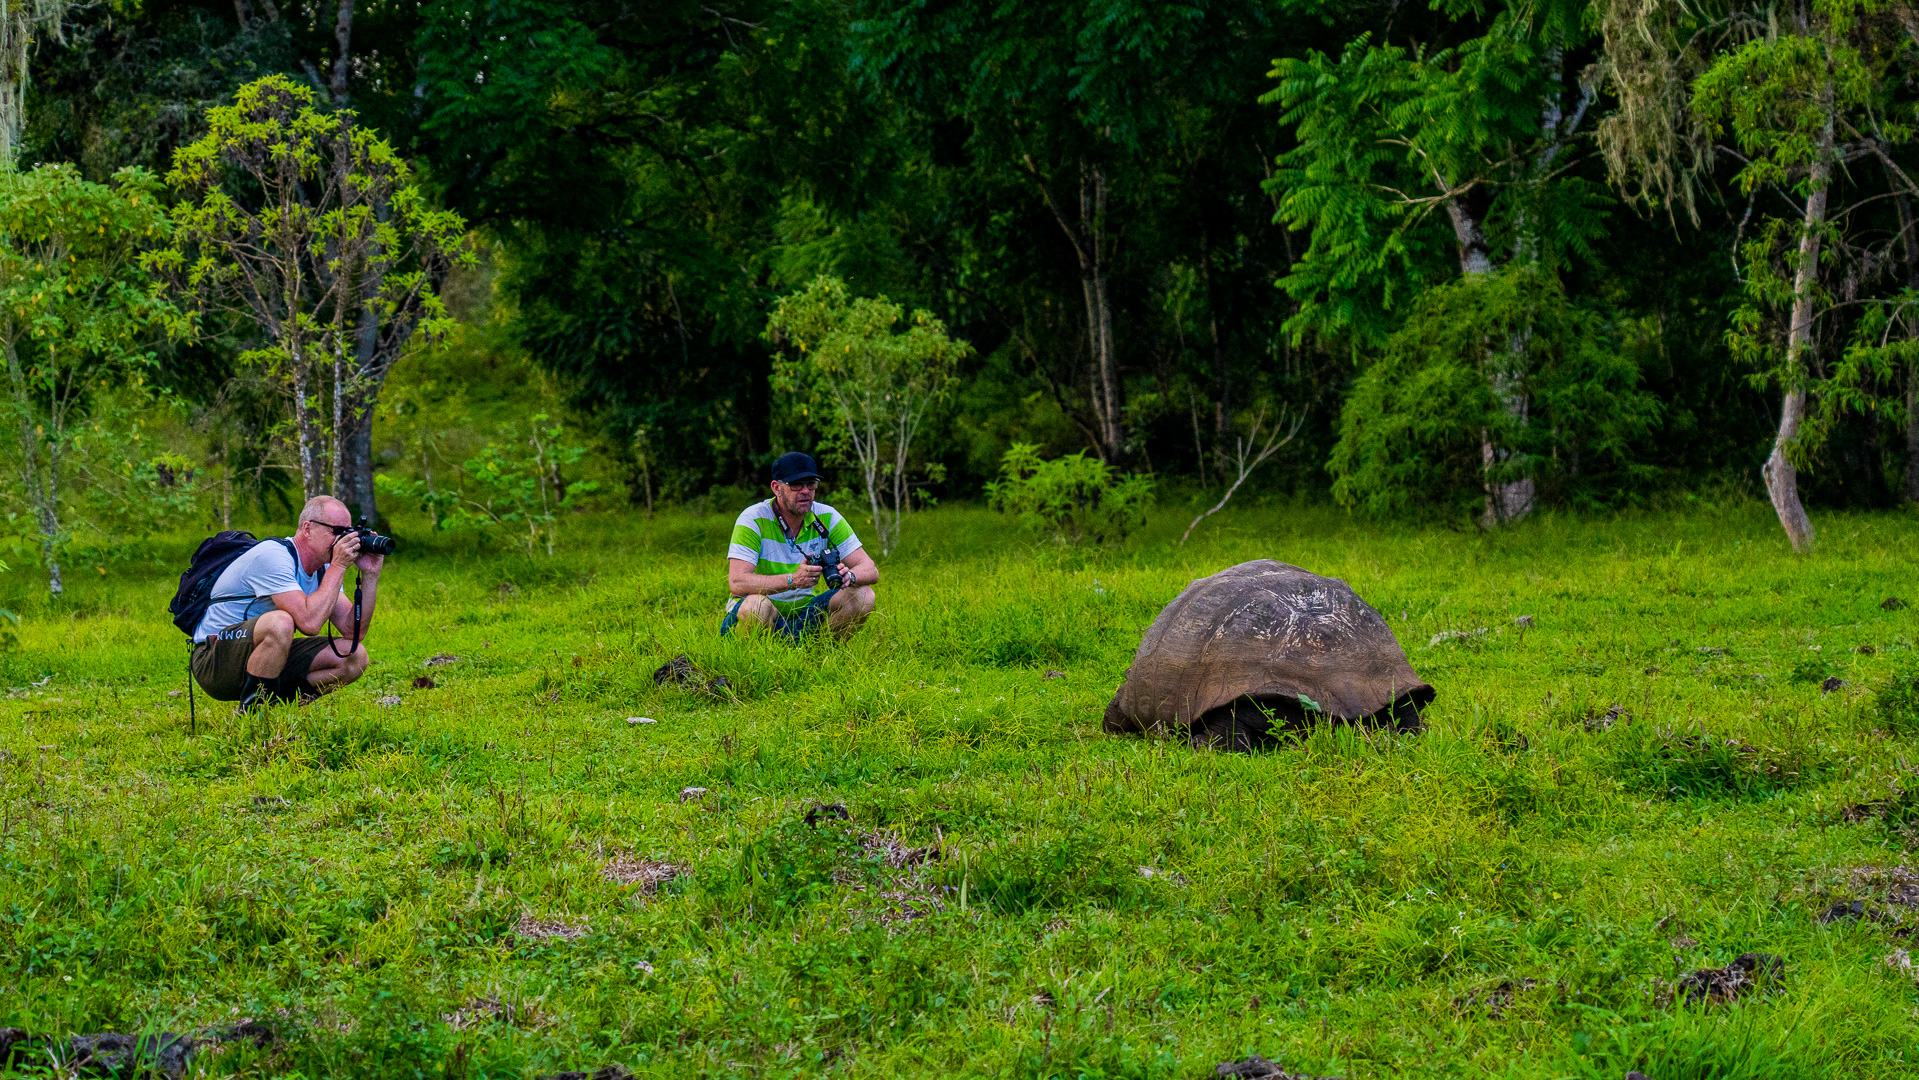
[(319, 508)]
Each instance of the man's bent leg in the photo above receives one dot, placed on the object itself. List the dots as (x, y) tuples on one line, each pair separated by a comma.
[(848, 609), (752, 611), (272, 637), (328, 671)]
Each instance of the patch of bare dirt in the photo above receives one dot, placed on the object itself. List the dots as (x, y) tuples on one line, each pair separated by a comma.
[(648, 874), (487, 1010), (1494, 1000), (536, 928), (888, 849), (1258, 1068)]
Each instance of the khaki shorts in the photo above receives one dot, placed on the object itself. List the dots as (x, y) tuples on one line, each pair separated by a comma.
[(219, 665)]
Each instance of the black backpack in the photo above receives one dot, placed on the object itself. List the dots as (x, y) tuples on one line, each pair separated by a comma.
[(213, 556)]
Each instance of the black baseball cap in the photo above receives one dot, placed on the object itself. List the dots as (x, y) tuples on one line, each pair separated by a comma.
[(795, 466)]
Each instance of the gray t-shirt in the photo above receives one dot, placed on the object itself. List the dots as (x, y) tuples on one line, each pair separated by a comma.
[(266, 568)]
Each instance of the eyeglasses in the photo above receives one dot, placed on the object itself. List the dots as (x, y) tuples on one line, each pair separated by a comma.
[(802, 485), (338, 530)]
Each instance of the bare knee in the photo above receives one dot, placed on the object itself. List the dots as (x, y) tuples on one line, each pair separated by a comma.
[(355, 664), (857, 600), (274, 626), (757, 609)]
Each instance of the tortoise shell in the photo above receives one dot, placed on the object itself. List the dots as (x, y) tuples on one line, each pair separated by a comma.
[(1261, 642)]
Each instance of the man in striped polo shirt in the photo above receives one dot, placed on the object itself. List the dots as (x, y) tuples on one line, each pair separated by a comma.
[(774, 566)]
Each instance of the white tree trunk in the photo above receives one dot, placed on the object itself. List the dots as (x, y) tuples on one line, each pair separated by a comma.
[(1782, 479)]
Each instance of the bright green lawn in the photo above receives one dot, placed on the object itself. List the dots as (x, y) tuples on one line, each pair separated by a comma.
[(1325, 905)]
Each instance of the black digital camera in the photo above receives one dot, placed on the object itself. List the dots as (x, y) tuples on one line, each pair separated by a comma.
[(372, 543), (829, 560)]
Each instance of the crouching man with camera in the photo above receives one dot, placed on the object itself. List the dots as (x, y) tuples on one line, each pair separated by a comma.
[(788, 546), (245, 647)]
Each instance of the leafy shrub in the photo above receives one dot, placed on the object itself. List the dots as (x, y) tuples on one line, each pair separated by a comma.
[(1076, 498), (515, 485), (1492, 360)]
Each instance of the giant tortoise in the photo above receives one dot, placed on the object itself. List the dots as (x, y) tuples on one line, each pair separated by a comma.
[(1259, 646)]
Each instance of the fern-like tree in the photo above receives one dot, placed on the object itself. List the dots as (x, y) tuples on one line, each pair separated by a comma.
[(1414, 167), (307, 224), (76, 322), (865, 373)]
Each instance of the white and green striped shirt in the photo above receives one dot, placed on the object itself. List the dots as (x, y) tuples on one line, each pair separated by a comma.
[(759, 539)]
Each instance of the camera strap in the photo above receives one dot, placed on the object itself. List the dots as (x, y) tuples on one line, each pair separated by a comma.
[(334, 643)]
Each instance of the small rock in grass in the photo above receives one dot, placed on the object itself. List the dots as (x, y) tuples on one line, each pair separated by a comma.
[(441, 660), (1682, 943), (1843, 910), (1052, 673), (534, 928), (643, 966), (641, 720), (114, 1054), (1603, 721), (604, 1072), (1865, 650), (646, 873), (388, 701), (1173, 876), (424, 682), (173, 693), (1444, 636), (1898, 960), (681, 671), (1524, 622), (821, 812), (1831, 684), (1258, 1068), (1719, 985), (689, 794), (1892, 603), (270, 803), (1637, 1075)]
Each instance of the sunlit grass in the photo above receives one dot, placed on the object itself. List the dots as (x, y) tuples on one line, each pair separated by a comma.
[(354, 874)]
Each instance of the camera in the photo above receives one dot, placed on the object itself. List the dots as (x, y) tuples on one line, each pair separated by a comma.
[(829, 563), (372, 543), (829, 560)]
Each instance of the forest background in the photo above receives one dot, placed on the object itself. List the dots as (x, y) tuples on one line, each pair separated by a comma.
[(1478, 257)]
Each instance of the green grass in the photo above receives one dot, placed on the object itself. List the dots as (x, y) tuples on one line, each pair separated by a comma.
[(1325, 905)]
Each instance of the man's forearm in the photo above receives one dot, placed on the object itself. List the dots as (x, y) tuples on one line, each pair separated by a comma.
[(762, 584), (318, 606)]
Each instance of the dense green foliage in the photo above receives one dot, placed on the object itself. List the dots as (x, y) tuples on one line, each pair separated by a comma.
[(1145, 220), (1647, 780)]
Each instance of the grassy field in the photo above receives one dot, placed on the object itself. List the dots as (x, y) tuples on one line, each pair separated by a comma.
[(467, 882)]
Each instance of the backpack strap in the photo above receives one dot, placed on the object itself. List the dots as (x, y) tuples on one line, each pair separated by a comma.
[(249, 597)]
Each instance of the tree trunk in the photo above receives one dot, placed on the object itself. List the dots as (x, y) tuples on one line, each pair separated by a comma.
[(1222, 379), (1093, 271), (1090, 247), (1782, 479), (1512, 499), (310, 480), (1473, 257), (343, 34)]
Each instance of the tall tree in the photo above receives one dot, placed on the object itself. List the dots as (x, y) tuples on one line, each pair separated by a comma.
[(1404, 152), (1795, 95), (1082, 108), (309, 225), (76, 319)]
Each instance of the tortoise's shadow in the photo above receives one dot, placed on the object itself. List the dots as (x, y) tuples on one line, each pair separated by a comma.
[(1246, 724)]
